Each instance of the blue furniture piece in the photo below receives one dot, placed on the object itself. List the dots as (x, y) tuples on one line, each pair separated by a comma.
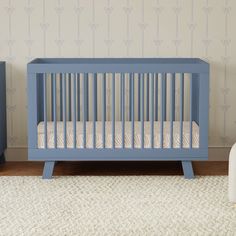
[(67, 100), (3, 130)]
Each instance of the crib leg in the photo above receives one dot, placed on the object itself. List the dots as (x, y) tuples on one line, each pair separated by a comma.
[(48, 169), (187, 169)]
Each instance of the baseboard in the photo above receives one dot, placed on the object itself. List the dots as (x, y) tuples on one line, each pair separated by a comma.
[(219, 153), (16, 154), (215, 154)]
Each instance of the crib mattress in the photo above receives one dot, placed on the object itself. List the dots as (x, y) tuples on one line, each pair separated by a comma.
[(118, 134)]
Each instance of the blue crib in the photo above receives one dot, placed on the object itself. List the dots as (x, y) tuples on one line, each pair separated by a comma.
[(118, 110), (3, 135)]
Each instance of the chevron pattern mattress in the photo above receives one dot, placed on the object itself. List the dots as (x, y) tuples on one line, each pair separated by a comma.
[(118, 134)]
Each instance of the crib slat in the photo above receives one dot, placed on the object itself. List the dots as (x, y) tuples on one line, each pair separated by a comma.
[(84, 111), (121, 85), (69, 96), (52, 91), (130, 96), (164, 96), (147, 98), (74, 110), (156, 97), (45, 110), (113, 110), (139, 101), (78, 97), (95, 95), (123, 109), (172, 107), (173, 97), (163, 104), (132, 108), (94, 109), (64, 109), (152, 111), (55, 109), (104, 111), (87, 95), (142, 111), (181, 111), (191, 113), (61, 100)]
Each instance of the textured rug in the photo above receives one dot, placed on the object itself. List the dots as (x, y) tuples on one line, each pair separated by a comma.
[(116, 205)]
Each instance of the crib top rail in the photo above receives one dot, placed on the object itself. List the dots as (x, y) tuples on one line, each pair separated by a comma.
[(118, 65)]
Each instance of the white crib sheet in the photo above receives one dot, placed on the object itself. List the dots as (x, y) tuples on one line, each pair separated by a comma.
[(118, 134)]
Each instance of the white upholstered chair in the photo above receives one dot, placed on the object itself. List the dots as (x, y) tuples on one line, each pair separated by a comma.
[(232, 174)]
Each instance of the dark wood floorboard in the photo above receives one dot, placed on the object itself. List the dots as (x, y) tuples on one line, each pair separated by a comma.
[(113, 168)]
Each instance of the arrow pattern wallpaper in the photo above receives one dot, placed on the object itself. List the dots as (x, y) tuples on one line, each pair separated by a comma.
[(124, 28)]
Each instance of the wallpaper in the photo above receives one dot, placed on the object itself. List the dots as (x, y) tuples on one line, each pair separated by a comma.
[(124, 28)]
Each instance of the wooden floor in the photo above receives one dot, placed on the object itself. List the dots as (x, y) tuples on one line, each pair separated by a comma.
[(113, 168)]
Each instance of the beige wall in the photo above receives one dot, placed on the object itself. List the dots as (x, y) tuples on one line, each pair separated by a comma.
[(124, 28)]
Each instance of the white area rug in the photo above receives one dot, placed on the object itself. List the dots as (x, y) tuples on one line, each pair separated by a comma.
[(116, 205)]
